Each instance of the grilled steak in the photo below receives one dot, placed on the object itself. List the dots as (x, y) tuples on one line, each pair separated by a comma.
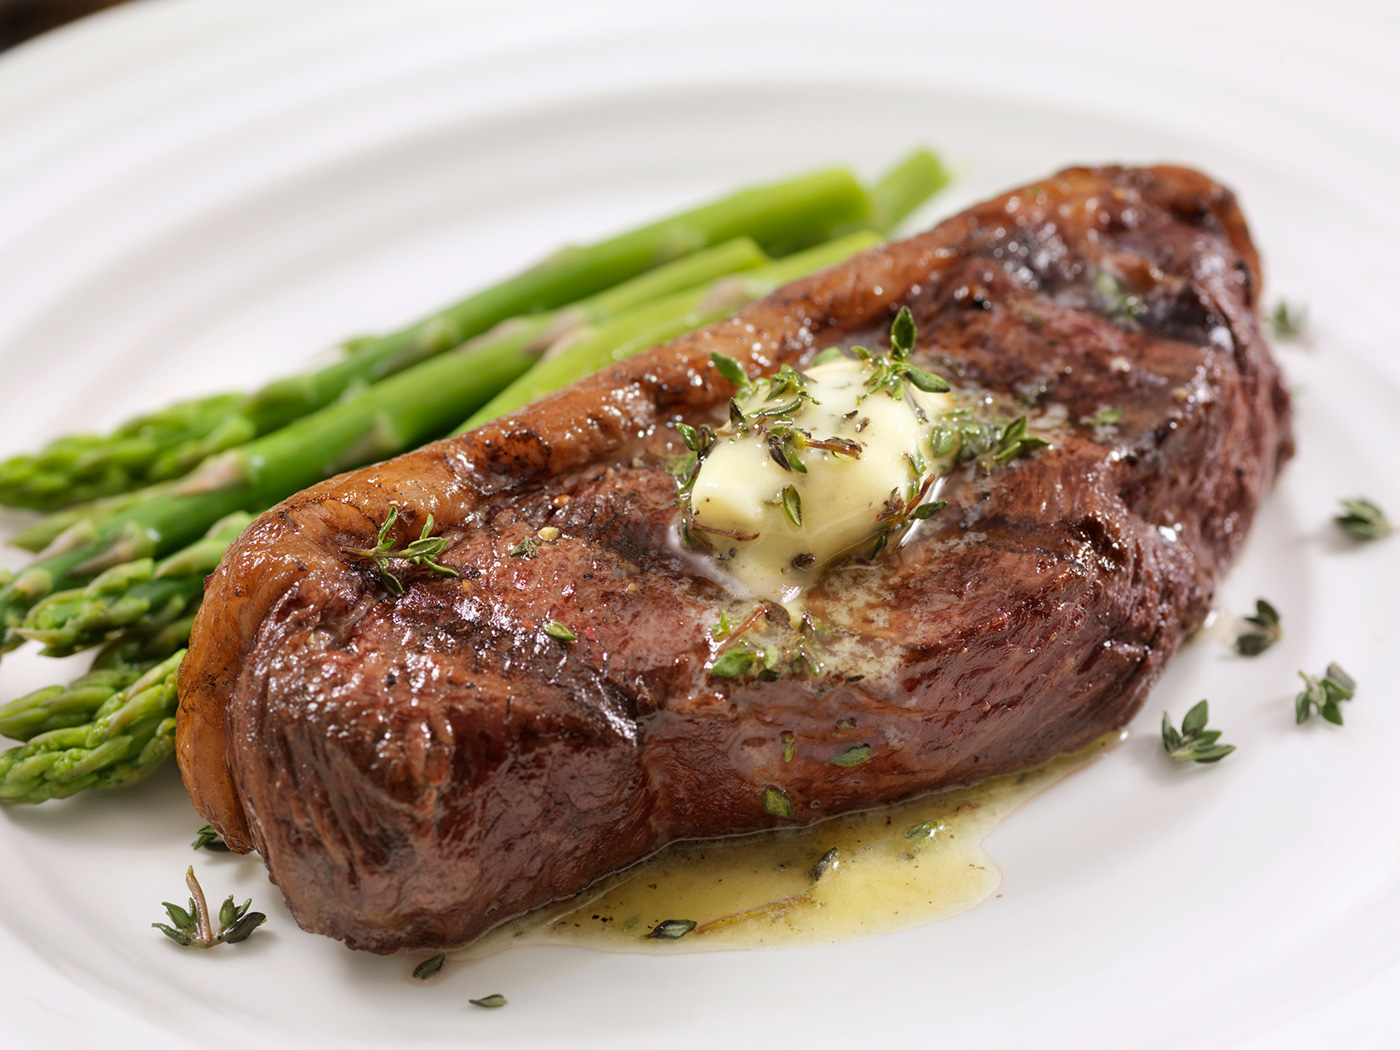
[(417, 767)]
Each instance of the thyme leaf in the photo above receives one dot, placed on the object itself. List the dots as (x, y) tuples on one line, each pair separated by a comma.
[(671, 929), (429, 967), (792, 505), (1194, 742), (491, 1002), (731, 370), (1363, 520), (776, 803), (826, 862), (526, 548), (733, 663), (1324, 695), (1015, 442), (1265, 630), (555, 629), (722, 630), (207, 838), (1288, 320), (1107, 417), (856, 755)]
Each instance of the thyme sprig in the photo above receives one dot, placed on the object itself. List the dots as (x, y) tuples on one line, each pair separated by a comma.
[(423, 551), (1363, 520), (1194, 742), (192, 927), (1265, 630), (889, 372), (1324, 695)]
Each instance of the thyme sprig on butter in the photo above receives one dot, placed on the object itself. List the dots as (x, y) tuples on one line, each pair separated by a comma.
[(1264, 630), (423, 551), (193, 926), (1363, 520), (1324, 695), (1194, 742), (889, 372)]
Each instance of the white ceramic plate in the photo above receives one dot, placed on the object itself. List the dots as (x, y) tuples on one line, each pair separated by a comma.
[(195, 195)]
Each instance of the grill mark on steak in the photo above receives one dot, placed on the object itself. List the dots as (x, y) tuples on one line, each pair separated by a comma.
[(416, 768)]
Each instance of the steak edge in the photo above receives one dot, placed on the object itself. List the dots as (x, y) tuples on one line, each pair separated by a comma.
[(416, 768)]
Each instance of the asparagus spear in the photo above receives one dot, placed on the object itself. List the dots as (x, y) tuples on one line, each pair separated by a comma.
[(81, 516), (81, 467), (143, 592), (63, 761), (662, 320), (904, 187), (166, 444), (378, 421), (60, 707), (132, 733), (77, 524)]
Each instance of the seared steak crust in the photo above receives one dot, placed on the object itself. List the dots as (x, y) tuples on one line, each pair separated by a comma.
[(416, 768)]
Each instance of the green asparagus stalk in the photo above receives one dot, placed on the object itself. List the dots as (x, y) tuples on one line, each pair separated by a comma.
[(60, 707), (904, 188), (81, 467), (81, 517), (663, 320), (143, 592), (378, 421), (164, 445), (535, 333), (130, 735)]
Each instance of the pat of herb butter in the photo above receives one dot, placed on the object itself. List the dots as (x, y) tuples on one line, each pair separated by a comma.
[(818, 465)]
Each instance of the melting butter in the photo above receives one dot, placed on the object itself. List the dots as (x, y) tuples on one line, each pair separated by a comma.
[(776, 527), (857, 875)]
